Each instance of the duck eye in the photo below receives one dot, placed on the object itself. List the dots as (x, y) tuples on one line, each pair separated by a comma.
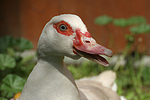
[(63, 27)]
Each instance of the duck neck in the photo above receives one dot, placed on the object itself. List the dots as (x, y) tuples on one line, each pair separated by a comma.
[(50, 79), (58, 63)]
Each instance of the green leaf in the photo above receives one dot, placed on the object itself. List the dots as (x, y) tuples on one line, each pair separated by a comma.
[(5, 42), (12, 83), (9, 95), (6, 61), (146, 75), (140, 29), (103, 20), (1, 98), (6, 94), (146, 96), (136, 20), (130, 95), (10, 51), (121, 22), (23, 44)]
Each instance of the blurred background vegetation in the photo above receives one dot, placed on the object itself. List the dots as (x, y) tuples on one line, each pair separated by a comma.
[(122, 26)]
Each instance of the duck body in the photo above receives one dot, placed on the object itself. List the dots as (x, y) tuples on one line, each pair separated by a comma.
[(57, 83), (64, 35)]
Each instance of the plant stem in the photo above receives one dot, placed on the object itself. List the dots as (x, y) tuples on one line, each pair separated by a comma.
[(136, 78), (111, 41), (125, 52)]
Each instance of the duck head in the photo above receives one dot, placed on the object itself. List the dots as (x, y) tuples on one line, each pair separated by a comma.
[(67, 35)]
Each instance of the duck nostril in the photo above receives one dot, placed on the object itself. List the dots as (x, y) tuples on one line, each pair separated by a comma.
[(87, 41)]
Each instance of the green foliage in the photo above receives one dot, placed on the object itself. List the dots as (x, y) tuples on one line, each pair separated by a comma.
[(136, 20), (103, 20), (121, 22), (14, 68), (86, 69), (3, 98), (140, 29), (130, 82), (146, 75), (6, 61), (6, 41), (12, 83), (19, 44), (23, 44)]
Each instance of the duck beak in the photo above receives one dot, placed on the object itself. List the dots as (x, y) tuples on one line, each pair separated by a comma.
[(84, 45)]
